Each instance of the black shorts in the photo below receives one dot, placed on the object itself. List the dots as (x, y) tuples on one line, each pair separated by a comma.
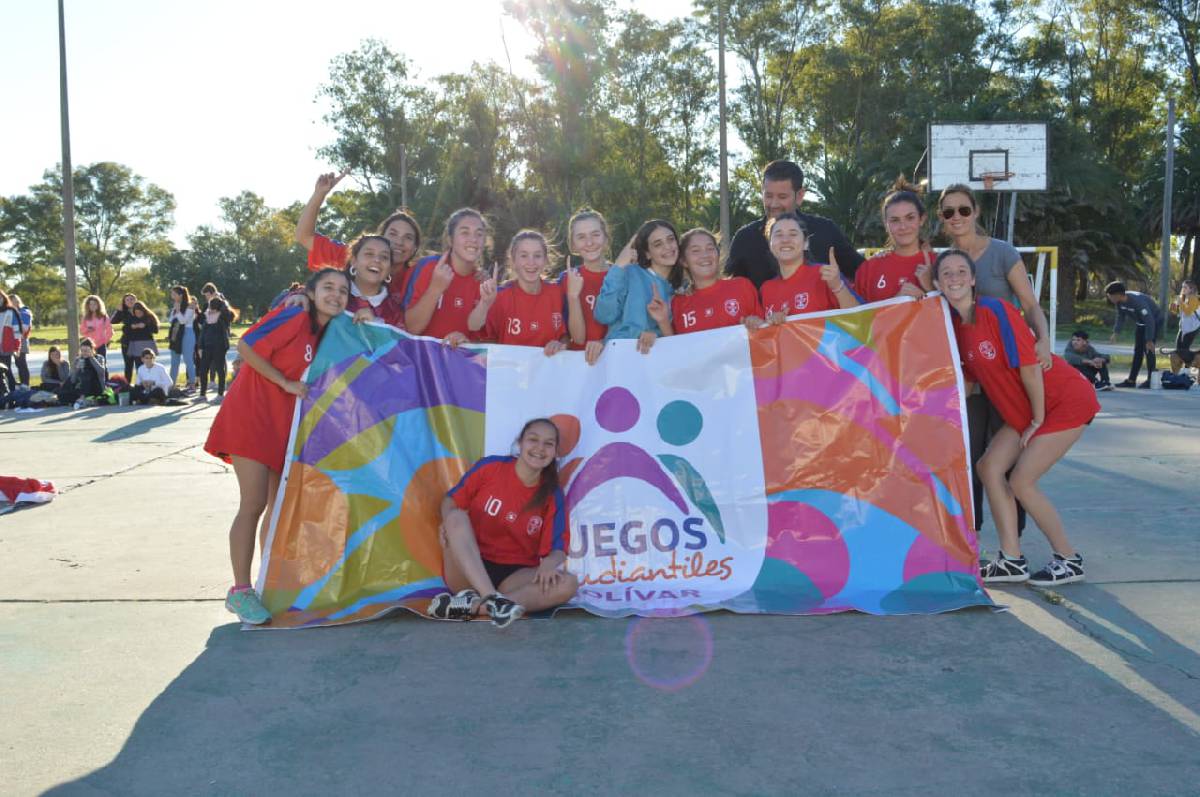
[(497, 572)]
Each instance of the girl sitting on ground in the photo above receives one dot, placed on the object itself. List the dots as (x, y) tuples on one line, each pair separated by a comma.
[(153, 381), (56, 371), (505, 533)]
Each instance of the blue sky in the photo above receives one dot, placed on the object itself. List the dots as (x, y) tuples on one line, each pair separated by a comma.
[(209, 98)]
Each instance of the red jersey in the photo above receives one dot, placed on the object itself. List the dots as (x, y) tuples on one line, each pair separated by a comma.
[(527, 319), (803, 292), (255, 419), (453, 306), (724, 303), (994, 348), (386, 308), (592, 282), (328, 253), (495, 499), (881, 277)]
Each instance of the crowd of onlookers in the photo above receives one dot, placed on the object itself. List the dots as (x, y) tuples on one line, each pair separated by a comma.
[(198, 332)]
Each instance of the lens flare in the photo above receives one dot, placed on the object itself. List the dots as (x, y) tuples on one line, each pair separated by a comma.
[(669, 654)]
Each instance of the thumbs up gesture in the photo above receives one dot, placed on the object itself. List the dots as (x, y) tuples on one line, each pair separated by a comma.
[(831, 274)]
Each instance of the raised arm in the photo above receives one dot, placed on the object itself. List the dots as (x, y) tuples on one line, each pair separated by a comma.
[(576, 324), (306, 225), (418, 315)]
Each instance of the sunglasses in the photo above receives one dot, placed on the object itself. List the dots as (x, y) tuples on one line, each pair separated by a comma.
[(963, 210)]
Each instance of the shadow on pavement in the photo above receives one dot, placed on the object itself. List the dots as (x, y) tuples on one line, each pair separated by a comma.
[(714, 704), (147, 423)]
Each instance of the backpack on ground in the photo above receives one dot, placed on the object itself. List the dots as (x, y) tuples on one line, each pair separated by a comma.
[(1179, 381)]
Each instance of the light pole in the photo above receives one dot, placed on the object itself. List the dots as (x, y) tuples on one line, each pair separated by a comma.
[(726, 233), (68, 195)]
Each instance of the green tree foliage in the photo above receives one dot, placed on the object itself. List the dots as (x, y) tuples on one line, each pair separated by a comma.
[(621, 115), (120, 220), (250, 257)]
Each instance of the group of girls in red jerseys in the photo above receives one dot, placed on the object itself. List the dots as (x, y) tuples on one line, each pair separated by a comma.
[(506, 563)]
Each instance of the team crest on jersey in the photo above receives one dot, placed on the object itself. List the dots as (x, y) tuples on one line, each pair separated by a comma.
[(801, 301), (458, 302), (511, 517), (987, 349), (556, 319), (732, 307), (534, 525)]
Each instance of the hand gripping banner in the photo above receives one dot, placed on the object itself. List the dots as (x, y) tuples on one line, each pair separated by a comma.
[(813, 467)]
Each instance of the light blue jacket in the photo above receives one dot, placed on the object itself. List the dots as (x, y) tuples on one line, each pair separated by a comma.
[(623, 298)]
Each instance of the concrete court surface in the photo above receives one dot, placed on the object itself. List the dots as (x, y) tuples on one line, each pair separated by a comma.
[(122, 674)]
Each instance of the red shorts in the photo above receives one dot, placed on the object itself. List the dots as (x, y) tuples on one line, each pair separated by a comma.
[(1070, 408)]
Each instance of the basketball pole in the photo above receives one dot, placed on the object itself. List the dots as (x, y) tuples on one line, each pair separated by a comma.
[(1164, 273), (1012, 216)]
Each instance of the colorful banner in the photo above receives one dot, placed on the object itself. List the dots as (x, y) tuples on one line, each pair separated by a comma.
[(813, 467)]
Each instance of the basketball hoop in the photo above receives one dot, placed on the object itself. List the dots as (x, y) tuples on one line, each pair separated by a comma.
[(991, 178)]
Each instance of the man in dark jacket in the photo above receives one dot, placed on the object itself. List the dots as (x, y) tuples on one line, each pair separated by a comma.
[(783, 191), (1149, 320)]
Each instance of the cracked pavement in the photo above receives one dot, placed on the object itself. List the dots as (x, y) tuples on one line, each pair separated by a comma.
[(121, 672)]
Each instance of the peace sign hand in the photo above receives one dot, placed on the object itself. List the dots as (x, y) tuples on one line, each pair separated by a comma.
[(657, 308), (327, 181)]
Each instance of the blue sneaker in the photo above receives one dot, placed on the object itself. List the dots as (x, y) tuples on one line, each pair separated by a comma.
[(246, 605)]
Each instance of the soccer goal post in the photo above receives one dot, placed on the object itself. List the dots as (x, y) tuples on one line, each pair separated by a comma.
[(1045, 261)]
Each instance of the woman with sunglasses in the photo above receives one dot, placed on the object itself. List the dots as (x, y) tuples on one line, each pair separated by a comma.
[(999, 273)]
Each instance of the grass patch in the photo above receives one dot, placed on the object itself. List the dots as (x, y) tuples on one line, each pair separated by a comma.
[(57, 335)]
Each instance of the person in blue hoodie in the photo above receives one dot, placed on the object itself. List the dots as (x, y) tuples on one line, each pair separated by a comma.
[(635, 299)]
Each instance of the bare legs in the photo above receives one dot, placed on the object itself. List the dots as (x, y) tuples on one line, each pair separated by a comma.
[(464, 568), (1028, 465), (257, 485)]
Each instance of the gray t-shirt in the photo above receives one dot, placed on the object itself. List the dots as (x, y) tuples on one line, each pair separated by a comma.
[(991, 271)]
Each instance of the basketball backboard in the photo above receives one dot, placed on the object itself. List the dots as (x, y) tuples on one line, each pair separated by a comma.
[(1008, 156)]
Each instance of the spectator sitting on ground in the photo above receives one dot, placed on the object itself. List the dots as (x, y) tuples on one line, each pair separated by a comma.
[(88, 377), (153, 380), (1091, 363), (56, 371)]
